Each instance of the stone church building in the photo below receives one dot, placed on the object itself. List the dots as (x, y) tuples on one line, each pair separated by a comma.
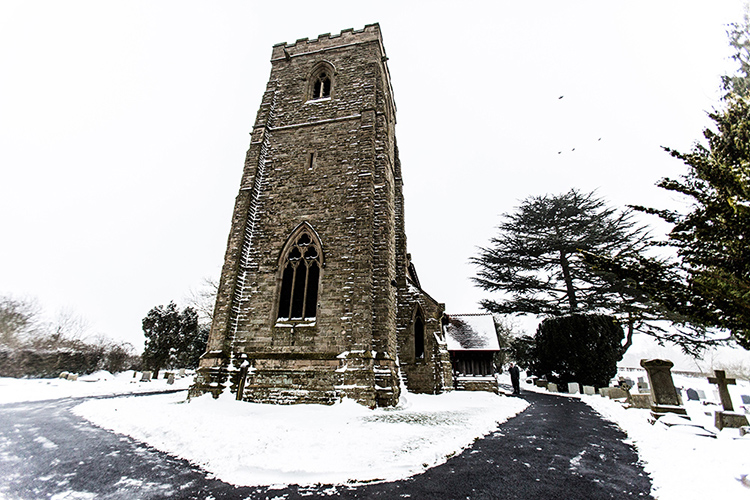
[(318, 297)]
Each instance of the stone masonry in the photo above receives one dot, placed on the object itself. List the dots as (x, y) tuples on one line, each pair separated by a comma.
[(318, 298)]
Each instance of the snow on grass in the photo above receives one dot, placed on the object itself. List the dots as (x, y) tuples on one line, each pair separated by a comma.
[(682, 464), (14, 390), (255, 444)]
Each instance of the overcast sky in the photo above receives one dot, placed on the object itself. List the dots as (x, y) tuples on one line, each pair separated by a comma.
[(124, 125)]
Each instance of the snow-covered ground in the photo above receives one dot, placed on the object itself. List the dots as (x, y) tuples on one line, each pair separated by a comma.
[(251, 444), (682, 464), (102, 383), (255, 444)]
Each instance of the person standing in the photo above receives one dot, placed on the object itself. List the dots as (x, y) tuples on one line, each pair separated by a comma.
[(515, 378)]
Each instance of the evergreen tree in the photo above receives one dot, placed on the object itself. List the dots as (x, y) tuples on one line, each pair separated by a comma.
[(172, 338), (712, 238), (536, 260), (583, 348)]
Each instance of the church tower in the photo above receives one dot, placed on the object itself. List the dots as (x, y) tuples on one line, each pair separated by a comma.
[(318, 299)]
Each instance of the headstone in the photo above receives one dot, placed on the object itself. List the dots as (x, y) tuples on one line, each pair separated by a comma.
[(664, 396), (726, 418), (551, 387), (617, 393), (64, 375), (745, 399), (640, 400), (643, 385), (541, 383), (574, 388), (625, 383), (723, 382), (146, 377), (181, 373), (701, 394), (589, 390), (604, 392), (170, 379), (73, 376), (692, 395)]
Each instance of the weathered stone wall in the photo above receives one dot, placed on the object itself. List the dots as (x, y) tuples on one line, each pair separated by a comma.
[(329, 165)]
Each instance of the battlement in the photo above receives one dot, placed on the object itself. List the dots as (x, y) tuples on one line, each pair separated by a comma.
[(350, 36)]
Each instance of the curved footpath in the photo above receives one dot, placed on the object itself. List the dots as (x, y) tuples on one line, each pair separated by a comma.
[(558, 448)]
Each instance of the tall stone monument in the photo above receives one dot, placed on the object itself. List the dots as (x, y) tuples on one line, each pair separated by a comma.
[(318, 297), (664, 396)]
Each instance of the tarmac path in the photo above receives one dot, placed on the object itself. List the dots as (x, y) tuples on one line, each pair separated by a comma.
[(558, 448)]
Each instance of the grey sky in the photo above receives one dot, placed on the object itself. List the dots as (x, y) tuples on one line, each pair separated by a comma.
[(124, 124)]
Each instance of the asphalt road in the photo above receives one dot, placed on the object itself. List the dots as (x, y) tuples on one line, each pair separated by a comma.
[(557, 449)]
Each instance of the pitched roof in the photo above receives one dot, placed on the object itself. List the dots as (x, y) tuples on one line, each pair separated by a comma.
[(471, 332)]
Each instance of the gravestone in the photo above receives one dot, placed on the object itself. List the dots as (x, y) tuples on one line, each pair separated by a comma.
[(589, 390), (541, 383), (664, 396), (146, 377), (552, 387), (640, 400), (643, 385), (73, 376), (574, 388), (617, 393), (745, 399), (692, 395), (625, 383), (723, 382), (701, 394), (64, 375), (728, 417), (604, 392), (181, 373), (170, 379)]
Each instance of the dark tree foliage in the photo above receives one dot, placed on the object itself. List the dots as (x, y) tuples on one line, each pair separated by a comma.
[(536, 260), (172, 338), (709, 284), (521, 351), (657, 289), (712, 238), (583, 348)]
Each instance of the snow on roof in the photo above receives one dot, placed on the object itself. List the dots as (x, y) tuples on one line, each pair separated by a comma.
[(471, 332)]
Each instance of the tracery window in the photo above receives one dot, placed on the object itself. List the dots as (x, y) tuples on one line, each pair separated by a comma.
[(322, 82), (300, 278)]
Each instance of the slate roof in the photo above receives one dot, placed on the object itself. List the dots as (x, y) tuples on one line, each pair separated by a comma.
[(471, 332)]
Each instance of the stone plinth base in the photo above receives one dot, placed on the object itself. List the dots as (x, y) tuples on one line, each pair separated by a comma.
[(729, 419), (661, 410)]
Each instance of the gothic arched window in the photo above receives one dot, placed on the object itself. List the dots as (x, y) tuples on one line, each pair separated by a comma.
[(321, 82), (419, 336), (300, 276)]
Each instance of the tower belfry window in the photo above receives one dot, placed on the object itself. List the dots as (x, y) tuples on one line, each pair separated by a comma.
[(300, 277), (321, 84)]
